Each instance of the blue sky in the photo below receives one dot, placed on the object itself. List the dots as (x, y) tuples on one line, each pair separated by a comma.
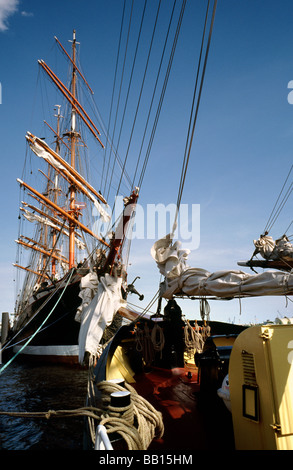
[(242, 149)]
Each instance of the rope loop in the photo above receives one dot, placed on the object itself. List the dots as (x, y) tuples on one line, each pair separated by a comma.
[(138, 424)]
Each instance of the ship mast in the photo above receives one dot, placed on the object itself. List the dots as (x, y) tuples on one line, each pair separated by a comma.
[(73, 137), (57, 149)]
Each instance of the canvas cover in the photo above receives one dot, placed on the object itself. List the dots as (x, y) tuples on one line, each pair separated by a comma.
[(101, 300), (182, 279)]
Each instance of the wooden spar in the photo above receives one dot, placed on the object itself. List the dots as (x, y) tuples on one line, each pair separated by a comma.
[(40, 201), (44, 252), (61, 211), (73, 145), (64, 229), (57, 135), (31, 138), (33, 241), (49, 179), (73, 96), (55, 221), (77, 103), (75, 65), (70, 179), (55, 185), (31, 271), (73, 102), (117, 242), (46, 176)]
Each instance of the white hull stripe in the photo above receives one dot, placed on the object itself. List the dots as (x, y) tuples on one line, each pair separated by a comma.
[(49, 350)]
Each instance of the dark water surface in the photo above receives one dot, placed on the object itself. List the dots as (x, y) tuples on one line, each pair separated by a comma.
[(33, 388)]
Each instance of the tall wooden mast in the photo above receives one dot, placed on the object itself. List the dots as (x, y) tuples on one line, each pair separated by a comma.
[(73, 138), (55, 189)]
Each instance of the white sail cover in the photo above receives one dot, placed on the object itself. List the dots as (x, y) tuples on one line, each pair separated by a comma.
[(31, 217), (42, 153), (273, 250), (181, 279), (99, 310)]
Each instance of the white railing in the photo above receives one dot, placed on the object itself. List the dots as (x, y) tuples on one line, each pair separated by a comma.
[(102, 439)]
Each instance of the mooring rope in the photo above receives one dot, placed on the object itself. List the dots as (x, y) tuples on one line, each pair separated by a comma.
[(138, 423), (148, 422)]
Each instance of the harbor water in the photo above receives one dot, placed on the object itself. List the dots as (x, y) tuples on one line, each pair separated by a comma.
[(35, 388)]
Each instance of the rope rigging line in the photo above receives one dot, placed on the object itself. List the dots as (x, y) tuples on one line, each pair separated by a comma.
[(276, 211), (141, 89), (109, 143), (191, 130), (127, 95), (154, 92), (162, 94), (39, 328), (146, 159), (46, 301), (119, 94), (113, 90), (148, 307), (192, 108), (289, 236)]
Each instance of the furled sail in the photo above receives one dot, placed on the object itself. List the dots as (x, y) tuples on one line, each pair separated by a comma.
[(180, 279), (101, 300), (271, 249), (42, 150), (31, 217)]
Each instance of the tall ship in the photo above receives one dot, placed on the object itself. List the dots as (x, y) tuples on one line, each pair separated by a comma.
[(66, 254), (157, 380)]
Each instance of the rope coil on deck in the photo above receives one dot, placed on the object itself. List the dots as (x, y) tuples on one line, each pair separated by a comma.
[(149, 342), (147, 421)]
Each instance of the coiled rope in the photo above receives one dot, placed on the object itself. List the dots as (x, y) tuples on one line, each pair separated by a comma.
[(194, 341), (148, 343), (138, 423)]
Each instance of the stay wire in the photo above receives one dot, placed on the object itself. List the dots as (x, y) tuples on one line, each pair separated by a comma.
[(141, 89), (192, 108), (127, 97), (272, 217), (284, 200), (146, 159), (154, 92), (119, 94), (187, 156), (114, 85)]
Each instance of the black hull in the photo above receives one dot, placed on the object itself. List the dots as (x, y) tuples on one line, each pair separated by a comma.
[(57, 334)]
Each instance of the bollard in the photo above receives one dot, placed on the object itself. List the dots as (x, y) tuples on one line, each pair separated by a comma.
[(4, 326)]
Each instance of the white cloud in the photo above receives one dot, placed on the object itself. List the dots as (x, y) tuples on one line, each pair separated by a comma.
[(7, 8), (27, 14)]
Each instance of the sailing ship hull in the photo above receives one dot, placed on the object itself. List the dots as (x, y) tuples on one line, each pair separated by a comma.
[(56, 340)]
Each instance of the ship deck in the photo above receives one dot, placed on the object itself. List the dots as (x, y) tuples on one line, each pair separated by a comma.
[(193, 420)]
